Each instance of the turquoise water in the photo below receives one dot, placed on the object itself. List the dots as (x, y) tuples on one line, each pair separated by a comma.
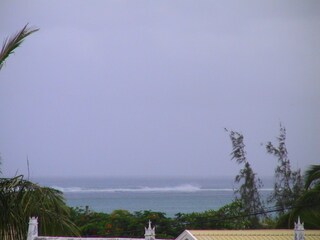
[(167, 195)]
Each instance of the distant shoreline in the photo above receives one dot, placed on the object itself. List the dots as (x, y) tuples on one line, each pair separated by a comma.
[(167, 195)]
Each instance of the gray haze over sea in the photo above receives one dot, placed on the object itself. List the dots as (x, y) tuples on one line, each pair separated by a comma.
[(167, 195), (136, 88)]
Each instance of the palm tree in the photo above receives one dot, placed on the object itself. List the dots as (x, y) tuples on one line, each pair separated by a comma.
[(312, 176), (20, 198), (307, 205)]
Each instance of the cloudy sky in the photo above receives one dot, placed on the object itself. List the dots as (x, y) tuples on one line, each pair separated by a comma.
[(146, 88)]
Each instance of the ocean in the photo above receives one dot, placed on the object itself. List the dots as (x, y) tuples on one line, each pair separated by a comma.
[(167, 195)]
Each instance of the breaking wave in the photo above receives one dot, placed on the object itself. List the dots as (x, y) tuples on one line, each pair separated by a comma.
[(180, 188)]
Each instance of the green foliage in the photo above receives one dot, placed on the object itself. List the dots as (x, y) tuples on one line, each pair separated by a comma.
[(312, 176), (121, 223), (307, 206), (20, 199), (230, 216), (288, 185), (10, 44), (234, 216), (249, 189)]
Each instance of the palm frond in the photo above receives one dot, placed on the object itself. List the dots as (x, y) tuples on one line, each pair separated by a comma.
[(13, 42), (21, 199), (312, 175)]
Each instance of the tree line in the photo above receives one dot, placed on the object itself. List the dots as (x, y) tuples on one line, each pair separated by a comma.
[(122, 223), (292, 196)]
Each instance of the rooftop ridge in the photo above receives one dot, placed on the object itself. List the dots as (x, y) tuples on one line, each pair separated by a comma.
[(251, 232)]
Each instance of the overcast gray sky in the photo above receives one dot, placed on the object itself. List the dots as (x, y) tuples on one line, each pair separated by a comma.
[(146, 88)]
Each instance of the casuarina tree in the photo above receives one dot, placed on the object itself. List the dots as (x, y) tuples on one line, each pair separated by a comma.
[(248, 192), (288, 184)]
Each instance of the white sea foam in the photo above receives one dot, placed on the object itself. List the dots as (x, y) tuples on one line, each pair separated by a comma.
[(169, 196), (179, 188)]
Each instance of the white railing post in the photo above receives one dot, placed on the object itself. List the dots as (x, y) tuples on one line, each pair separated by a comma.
[(298, 230), (150, 233), (33, 228)]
